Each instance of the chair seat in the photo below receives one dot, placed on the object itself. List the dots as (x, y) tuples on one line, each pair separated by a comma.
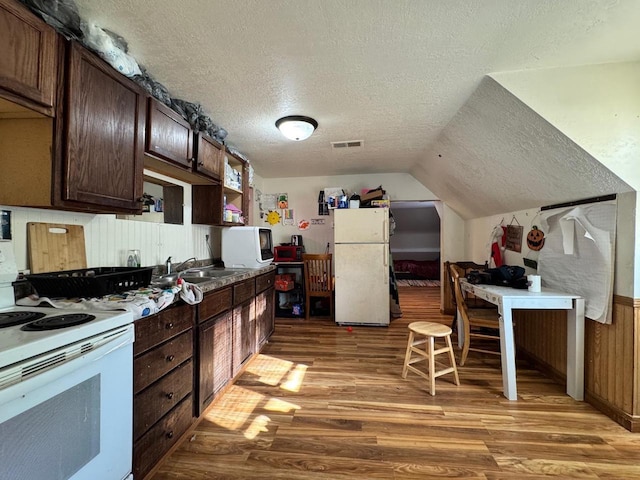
[(430, 329)]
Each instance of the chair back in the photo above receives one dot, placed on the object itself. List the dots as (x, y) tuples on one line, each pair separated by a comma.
[(318, 275), (457, 290)]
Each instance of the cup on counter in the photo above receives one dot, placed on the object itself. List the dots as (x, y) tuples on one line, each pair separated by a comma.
[(534, 283), (133, 258)]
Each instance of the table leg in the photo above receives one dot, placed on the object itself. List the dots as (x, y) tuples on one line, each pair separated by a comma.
[(575, 350), (507, 352)]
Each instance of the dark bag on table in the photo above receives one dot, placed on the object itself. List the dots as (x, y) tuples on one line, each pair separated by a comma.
[(506, 275)]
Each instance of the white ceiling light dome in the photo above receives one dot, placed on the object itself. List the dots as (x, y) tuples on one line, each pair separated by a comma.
[(296, 127)]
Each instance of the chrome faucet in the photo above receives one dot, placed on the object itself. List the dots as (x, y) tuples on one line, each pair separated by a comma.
[(167, 264), (180, 266)]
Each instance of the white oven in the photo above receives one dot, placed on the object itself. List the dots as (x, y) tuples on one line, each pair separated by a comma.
[(66, 393), (69, 419)]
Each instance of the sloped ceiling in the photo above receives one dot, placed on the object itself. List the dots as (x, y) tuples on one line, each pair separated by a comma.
[(392, 73), (497, 155)]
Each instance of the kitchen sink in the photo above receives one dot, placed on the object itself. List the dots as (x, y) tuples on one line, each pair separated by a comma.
[(165, 280), (194, 279), (208, 272)]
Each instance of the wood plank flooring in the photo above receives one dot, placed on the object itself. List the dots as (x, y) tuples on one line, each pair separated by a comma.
[(324, 403)]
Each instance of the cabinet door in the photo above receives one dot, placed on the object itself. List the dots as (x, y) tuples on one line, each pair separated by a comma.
[(206, 347), (222, 352), (214, 358), (243, 334), (104, 130), (209, 153), (28, 63), (265, 312), (168, 135)]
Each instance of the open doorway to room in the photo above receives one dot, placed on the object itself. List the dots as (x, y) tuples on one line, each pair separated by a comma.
[(415, 244)]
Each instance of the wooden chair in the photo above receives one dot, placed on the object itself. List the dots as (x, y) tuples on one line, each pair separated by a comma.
[(318, 279), (427, 333), (479, 323)]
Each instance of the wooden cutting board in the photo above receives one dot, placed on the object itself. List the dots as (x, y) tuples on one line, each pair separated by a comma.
[(55, 246)]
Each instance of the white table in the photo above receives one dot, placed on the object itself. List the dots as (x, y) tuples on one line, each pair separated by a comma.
[(507, 299)]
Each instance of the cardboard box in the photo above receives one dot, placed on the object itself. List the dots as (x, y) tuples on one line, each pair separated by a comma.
[(372, 195)]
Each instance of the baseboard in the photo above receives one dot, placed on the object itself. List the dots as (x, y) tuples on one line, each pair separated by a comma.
[(628, 421)]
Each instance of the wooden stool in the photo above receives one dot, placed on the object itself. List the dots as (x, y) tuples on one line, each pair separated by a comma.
[(430, 331)]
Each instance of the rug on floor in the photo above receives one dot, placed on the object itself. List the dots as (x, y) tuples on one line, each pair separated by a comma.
[(418, 283)]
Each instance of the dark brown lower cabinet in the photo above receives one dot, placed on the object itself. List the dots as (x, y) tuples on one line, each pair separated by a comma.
[(214, 357), (152, 446), (232, 324), (243, 334), (265, 316), (162, 384)]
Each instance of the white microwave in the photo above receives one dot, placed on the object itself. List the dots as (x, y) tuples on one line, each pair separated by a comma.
[(247, 247)]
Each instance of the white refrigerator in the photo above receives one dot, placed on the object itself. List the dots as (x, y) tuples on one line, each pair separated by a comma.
[(361, 259)]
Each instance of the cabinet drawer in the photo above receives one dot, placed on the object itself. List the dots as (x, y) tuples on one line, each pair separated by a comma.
[(156, 442), (150, 366), (214, 303), (265, 281), (243, 291), (151, 331), (151, 404)]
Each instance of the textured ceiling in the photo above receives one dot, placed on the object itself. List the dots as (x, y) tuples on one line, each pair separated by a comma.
[(392, 73)]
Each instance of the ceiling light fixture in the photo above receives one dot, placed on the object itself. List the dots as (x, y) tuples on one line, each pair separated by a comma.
[(296, 127)]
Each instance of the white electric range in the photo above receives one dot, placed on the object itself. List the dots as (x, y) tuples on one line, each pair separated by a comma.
[(66, 383)]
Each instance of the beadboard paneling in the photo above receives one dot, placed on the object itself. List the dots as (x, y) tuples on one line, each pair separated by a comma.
[(611, 351), (108, 238)]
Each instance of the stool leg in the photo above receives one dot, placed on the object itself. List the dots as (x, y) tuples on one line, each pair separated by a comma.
[(407, 355), (432, 365), (453, 359)]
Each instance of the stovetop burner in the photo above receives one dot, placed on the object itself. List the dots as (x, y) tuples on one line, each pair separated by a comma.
[(10, 319), (58, 321)]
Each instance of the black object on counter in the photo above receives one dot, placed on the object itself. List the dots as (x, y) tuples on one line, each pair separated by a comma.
[(90, 282)]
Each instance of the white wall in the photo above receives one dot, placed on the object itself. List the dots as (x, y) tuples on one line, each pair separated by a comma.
[(479, 231), (303, 199), (107, 238)]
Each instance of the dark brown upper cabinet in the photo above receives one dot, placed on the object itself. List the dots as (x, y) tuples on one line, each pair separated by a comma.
[(28, 60), (169, 136), (90, 156), (173, 149), (103, 135), (208, 157)]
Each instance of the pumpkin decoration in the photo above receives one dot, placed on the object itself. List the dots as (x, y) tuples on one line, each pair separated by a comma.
[(535, 239)]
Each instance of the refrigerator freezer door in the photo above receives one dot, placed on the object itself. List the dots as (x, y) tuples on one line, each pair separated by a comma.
[(362, 284), (361, 225)]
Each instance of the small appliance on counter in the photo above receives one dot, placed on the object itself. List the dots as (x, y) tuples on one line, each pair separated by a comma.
[(288, 253), (247, 247), (297, 240)]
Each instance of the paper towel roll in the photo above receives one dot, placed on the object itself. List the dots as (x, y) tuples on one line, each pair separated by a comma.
[(534, 283)]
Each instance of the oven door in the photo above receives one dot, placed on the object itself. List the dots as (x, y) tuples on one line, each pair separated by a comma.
[(69, 416)]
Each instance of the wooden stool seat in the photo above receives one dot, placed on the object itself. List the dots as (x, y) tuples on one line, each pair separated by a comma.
[(430, 331)]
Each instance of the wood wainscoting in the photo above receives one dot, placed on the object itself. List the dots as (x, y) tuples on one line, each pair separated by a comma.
[(612, 374)]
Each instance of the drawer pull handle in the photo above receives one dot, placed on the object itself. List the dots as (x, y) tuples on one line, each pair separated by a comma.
[(170, 395), (170, 434), (169, 326), (170, 358)]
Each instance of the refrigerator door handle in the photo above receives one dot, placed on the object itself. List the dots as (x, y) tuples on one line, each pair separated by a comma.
[(385, 230), (385, 253)]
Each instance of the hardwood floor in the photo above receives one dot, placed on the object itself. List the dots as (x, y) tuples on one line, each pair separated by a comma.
[(321, 402)]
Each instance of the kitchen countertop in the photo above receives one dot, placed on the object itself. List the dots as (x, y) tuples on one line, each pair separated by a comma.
[(144, 301), (242, 274)]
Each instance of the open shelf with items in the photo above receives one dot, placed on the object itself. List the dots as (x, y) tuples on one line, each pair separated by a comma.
[(210, 201), (290, 303)]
